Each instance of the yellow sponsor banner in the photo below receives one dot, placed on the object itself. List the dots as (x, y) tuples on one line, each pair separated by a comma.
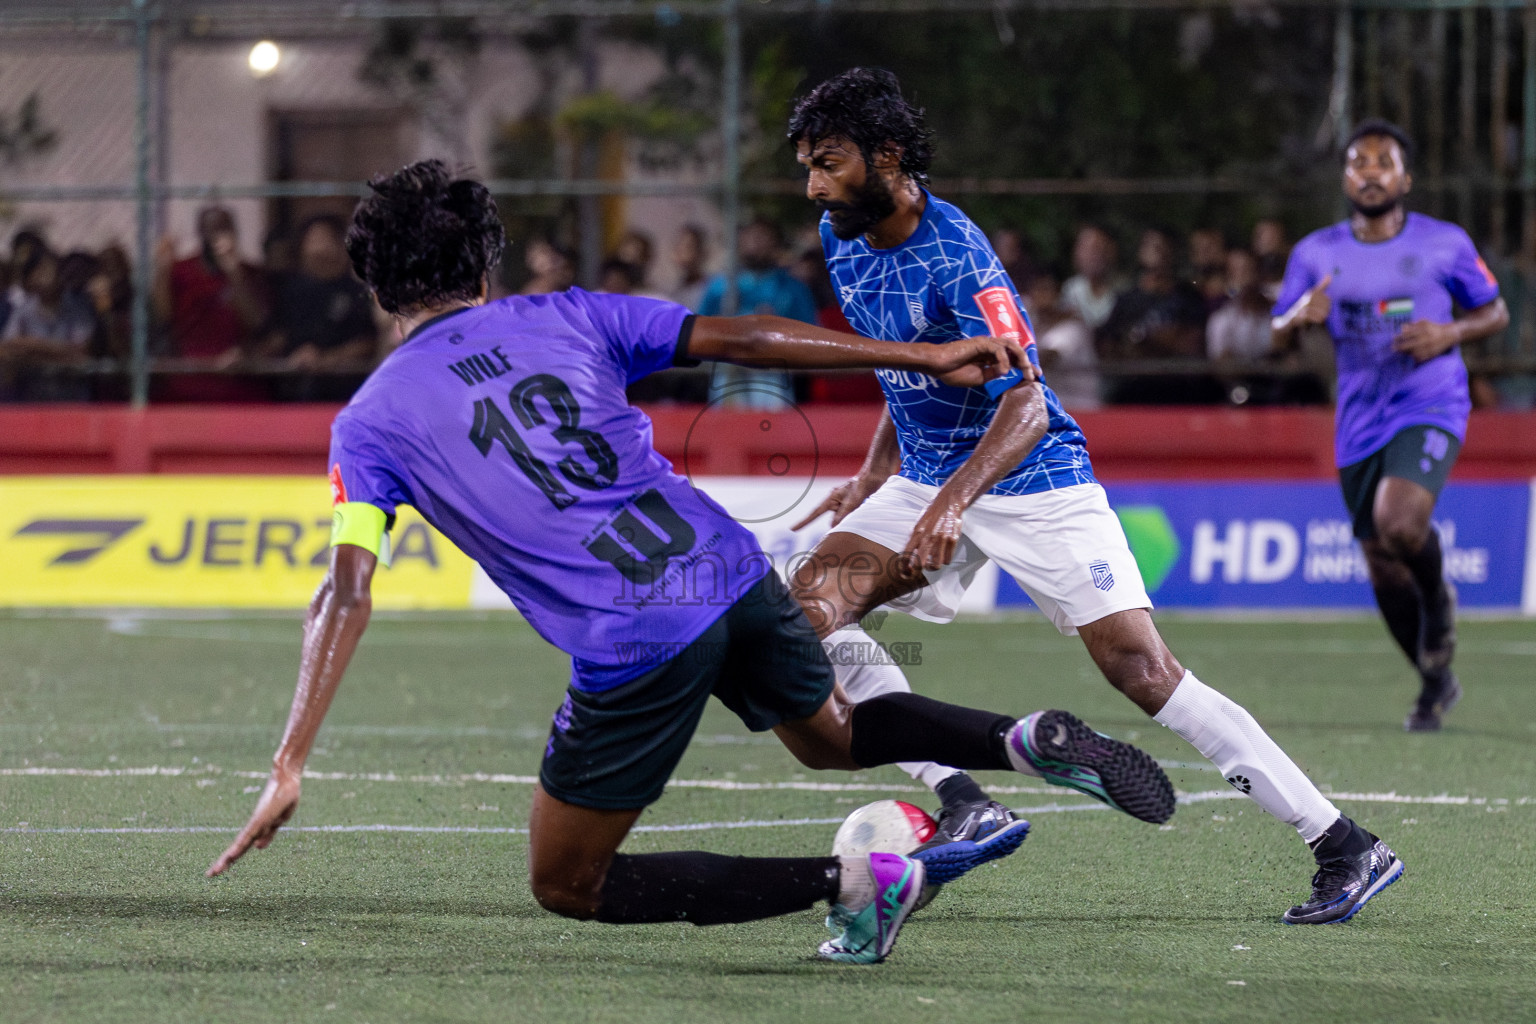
[(199, 541)]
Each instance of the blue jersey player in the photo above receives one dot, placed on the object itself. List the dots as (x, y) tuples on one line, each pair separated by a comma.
[(1386, 284), (956, 476), (505, 425)]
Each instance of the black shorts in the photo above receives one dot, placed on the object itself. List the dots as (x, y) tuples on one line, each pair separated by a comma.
[(1423, 455), (616, 750)]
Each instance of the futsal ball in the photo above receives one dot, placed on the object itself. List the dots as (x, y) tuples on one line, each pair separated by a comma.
[(885, 826)]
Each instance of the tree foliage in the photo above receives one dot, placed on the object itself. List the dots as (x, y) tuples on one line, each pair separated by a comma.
[(1120, 94)]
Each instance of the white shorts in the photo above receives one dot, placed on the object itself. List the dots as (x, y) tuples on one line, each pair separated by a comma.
[(1065, 547)]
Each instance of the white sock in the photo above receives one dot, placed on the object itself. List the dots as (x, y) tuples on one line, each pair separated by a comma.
[(1230, 739), (865, 674), (855, 883)]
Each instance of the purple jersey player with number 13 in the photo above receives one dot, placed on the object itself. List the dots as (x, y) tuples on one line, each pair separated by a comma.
[(1384, 283), (506, 426)]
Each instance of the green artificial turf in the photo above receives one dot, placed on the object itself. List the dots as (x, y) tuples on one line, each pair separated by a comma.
[(1097, 917)]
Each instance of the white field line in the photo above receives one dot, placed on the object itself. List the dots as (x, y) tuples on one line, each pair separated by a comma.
[(482, 777), (1203, 796), (697, 826), (226, 628)]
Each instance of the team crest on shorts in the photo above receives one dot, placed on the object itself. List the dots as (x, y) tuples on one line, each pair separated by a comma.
[(1102, 577)]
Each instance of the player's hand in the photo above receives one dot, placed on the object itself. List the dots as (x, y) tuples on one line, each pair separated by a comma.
[(273, 809), (1315, 305), (843, 499), (1424, 339), (971, 362), (933, 540), (165, 255), (305, 357), (228, 359)]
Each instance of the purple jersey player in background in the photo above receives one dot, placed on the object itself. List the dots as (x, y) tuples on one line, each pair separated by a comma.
[(1387, 283), (506, 426)]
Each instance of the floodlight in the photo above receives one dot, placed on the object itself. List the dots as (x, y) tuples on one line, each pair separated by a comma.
[(264, 57)]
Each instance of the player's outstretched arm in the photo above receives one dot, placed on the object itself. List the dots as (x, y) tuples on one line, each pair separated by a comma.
[(1312, 308), (1020, 423), (881, 462), (338, 614), (1425, 339), (780, 343)]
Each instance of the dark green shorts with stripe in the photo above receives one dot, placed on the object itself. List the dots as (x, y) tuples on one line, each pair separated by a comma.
[(1421, 454), (616, 750)]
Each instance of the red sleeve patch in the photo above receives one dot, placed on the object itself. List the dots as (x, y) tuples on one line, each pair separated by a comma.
[(338, 489), (1002, 315)]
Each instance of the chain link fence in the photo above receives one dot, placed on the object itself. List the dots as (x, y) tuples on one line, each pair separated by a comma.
[(120, 120)]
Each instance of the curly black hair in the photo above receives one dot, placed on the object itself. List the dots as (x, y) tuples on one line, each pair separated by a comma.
[(424, 238), (1386, 129), (865, 106)]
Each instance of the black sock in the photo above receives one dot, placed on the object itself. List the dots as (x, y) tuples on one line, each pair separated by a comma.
[(1403, 609), (1428, 567), (906, 727), (1344, 838), (707, 888), (960, 789)]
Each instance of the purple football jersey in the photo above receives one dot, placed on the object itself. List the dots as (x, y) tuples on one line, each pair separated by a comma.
[(506, 427), (1376, 289)]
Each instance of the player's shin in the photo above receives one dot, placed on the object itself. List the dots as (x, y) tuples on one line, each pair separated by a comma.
[(707, 888), (1249, 760), (1403, 611), (865, 671), (1438, 641)]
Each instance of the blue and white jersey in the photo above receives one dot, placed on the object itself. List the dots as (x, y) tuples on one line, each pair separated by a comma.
[(943, 283)]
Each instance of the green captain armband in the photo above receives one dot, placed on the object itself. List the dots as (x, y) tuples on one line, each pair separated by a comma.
[(362, 524)]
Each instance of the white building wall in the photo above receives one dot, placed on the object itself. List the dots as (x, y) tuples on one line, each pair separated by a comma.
[(87, 97), (218, 131)]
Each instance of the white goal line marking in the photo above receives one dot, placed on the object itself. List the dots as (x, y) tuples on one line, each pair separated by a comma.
[(173, 771)]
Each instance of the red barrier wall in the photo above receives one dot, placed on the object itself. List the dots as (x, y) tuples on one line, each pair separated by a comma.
[(829, 441)]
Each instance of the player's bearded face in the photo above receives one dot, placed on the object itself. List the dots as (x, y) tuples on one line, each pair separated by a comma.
[(1375, 203), (1375, 176), (870, 203)]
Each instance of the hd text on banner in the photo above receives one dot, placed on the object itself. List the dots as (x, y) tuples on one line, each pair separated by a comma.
[(1290, 545)]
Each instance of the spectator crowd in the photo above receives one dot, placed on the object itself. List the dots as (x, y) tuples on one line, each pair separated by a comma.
[(1185, 321)]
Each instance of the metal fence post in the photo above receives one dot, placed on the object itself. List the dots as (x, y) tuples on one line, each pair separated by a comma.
[(138, 366), (1343, 73), (1526, 329), (730, 128), (1467, 116)]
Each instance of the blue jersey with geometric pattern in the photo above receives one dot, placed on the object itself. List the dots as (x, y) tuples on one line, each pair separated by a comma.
[(943, 283)]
